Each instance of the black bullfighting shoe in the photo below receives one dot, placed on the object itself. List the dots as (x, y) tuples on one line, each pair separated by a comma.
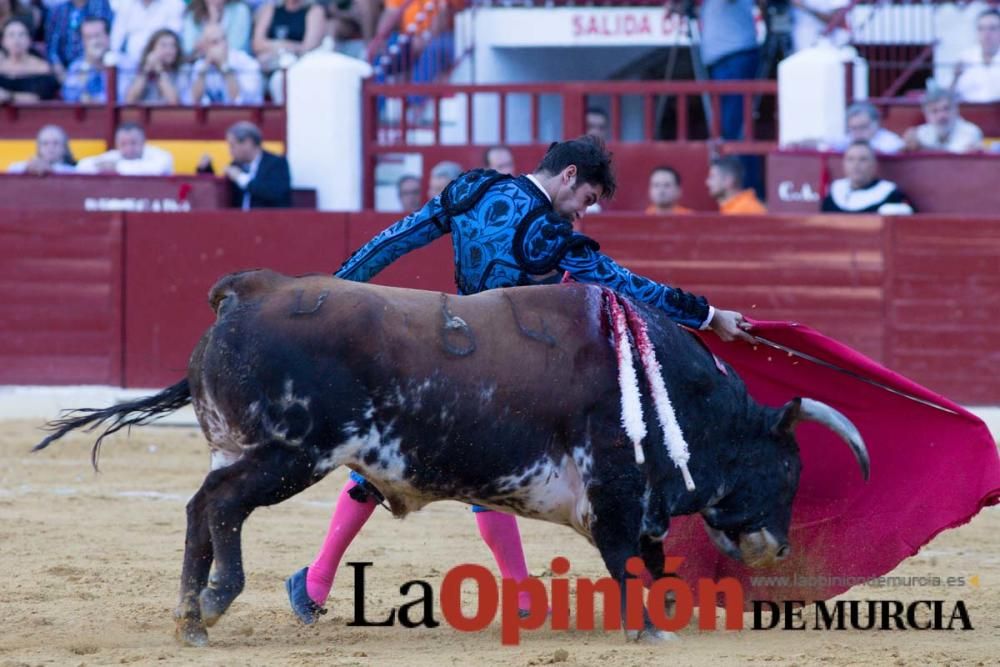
[(303, 606)]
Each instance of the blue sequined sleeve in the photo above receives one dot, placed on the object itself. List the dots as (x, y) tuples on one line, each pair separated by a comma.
[(414, 231), (590, 266)]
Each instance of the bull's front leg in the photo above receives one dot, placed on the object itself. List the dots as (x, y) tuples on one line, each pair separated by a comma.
[(616, 504)]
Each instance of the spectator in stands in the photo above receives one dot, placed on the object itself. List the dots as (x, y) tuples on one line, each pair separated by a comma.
[(442, 174), (233, 15), (726, 185), (499, 158), (595, 122), (52, 154), (422, 32), (665, 192), (729, 51), (136, 21), (810, 19), (24, 78), (977, 78), (863, 125), (87, 78), (408, 188), (351, 24), (944, 130), (224, 75), (260, 179), (64, 39), (131, 156), (161, 77), (282, 33), (861, 190)]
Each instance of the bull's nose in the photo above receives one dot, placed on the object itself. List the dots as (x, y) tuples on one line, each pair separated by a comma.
[(784, 551)]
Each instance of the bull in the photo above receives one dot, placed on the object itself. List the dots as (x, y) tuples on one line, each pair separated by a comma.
[(507, 399)]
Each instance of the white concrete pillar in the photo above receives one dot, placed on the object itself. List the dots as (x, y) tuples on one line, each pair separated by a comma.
[(812, 92), (324, 138)]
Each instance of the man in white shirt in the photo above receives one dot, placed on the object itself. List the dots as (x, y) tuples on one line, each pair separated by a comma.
[(864, 124), (130, 157), (944, 130), (977, 78), (224, 75), (137, 20)]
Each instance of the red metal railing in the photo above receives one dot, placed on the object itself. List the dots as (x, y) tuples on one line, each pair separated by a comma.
[(409, 115), (436, 121)]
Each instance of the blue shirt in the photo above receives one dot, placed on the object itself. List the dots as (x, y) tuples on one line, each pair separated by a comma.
[(85, 83), (727, 28), (62, 30)]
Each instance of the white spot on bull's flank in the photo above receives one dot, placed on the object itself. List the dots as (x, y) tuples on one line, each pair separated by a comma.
[(220, 432), (279, 428), (350, 450), (550, 491)]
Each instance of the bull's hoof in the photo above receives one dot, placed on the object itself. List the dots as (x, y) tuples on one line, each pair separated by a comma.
[(212, 608), (650, 636), (191, 632)]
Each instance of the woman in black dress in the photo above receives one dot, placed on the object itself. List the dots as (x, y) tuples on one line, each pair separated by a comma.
[(24, 78)]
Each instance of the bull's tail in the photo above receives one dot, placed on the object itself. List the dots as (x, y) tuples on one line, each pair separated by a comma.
[(121, 415)]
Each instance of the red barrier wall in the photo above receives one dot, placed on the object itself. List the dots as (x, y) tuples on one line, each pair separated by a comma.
[(121, 298), (173, 261), (943, 296), (60, 298), (825, 271)]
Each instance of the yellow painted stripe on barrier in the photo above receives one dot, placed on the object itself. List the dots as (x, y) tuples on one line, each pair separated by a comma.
[(186, 153)]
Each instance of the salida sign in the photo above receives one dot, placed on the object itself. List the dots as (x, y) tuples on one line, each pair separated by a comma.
[(627, 23)]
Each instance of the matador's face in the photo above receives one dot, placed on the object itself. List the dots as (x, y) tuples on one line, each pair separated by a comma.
[(571, 199)]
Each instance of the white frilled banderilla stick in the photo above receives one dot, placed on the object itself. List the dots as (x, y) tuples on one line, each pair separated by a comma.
[(624, 321)]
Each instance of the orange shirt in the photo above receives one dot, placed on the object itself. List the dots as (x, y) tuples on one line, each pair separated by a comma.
[(412, 8), (652, 210), (743, 202)]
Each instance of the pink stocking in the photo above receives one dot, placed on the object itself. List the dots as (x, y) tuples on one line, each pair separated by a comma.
[(348, 517), (501, 535)]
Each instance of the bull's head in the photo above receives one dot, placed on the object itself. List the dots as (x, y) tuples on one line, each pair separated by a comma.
[(750, 522)]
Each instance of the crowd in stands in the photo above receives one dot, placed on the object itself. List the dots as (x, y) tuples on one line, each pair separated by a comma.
[(257, 177), (168, 51), (234, 52)]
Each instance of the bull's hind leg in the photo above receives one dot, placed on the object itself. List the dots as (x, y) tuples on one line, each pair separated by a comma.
[(194, 573), (266, 475)]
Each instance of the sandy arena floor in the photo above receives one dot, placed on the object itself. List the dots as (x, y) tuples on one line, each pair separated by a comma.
[(91, 562)]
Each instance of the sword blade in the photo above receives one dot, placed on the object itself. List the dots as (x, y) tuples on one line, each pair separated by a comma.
[(856, 376)]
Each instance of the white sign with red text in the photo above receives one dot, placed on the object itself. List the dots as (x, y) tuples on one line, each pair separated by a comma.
[(583, 26)]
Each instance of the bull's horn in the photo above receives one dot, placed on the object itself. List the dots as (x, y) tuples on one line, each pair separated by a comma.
[(723, 543), (823, 414)]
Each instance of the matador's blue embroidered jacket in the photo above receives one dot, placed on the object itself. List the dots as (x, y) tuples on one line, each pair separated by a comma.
[(505, 233)]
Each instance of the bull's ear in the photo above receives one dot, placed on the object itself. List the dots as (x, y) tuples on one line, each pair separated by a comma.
[(788, 416)]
